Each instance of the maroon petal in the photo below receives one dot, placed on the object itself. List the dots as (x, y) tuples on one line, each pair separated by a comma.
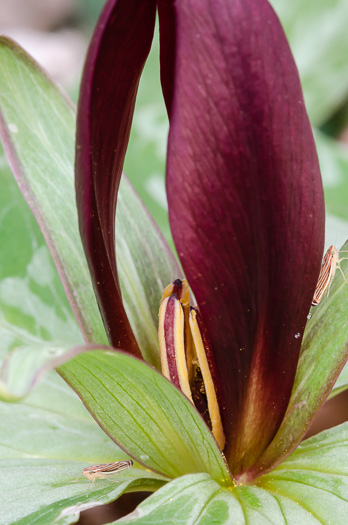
[(114, 63), (246, 205)]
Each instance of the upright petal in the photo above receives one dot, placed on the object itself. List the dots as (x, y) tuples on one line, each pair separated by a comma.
[(245, 204), (114, 63)]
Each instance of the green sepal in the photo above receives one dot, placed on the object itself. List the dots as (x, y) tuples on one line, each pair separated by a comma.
[(145, 414)]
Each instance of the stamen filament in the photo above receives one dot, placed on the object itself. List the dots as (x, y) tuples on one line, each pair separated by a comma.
[(213, 406)]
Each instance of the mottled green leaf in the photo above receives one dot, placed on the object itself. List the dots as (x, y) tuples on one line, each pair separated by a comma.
[(34, 310), (198, 500), (46, 442), (37, 125), (191, 499), (41, 491), (25, 366), (52, 423), (145, 414), (315, 476), (309, 488), (33, 304)]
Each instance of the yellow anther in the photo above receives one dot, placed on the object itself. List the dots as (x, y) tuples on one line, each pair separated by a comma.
[(213, 406)]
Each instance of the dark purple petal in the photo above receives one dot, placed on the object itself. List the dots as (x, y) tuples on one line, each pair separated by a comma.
[(120, 45), (246, 205)]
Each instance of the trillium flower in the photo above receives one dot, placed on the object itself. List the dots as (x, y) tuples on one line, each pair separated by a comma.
[(210, 408), (244, 193)]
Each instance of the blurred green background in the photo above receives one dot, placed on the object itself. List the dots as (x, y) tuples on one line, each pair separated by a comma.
[(318, 35)]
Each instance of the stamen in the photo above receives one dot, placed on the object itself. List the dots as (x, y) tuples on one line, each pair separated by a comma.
[(186, 356), (181, 290), (213, 406), (171, 341)]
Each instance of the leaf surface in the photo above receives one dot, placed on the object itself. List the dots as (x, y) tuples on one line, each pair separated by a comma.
[(41, 491), (145, 267), (33, 305), (46, 442), (341, 384), (309, 488), (316, 476), (37, 125), (145, 414)]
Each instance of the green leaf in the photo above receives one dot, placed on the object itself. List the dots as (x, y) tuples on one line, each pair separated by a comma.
[(25, 366), (33, 304), (191, 499), (198, 500), (38, 129), (324, 352), (41, 491), (333, 157), (317, 31), (310, 488), (52, 423), (46, 442), (315, 476), (34, 310), (145, 414)]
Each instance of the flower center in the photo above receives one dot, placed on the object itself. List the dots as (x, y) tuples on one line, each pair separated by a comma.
[(186, 355)]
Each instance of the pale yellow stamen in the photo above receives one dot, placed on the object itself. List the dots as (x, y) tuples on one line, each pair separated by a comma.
[(185, 302), (179, 344), (213, 406)]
